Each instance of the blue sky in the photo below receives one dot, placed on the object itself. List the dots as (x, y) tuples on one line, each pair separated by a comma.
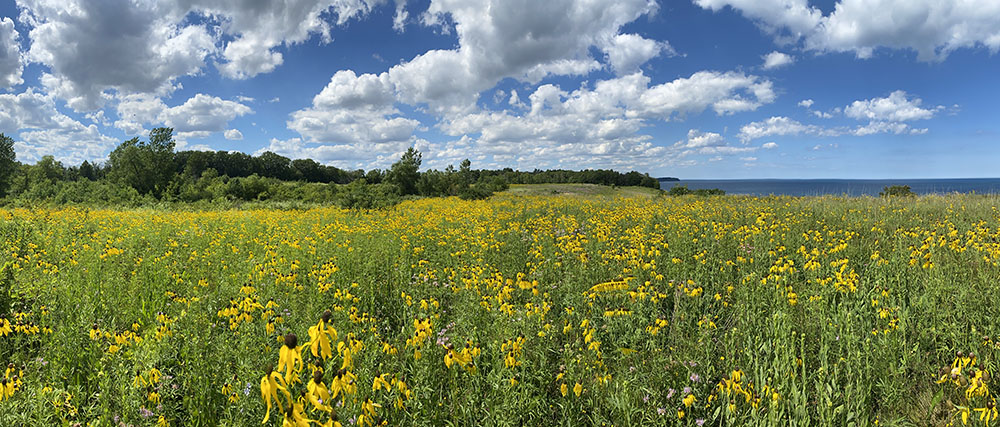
[(694, 89)]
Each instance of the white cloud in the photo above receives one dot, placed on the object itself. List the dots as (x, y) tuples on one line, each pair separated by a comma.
[(95, 46), (348, 156), (354, 109), (822, 114), (886, 127), (777, 59), (584, 126), (699, 139), (122, 47), (721, 91), (260, 27), (627, 52), (932, 28), (197, 117), (233, 134), (806, 103), (897, 107), (784, 126), (400, 17), (10, 55), (788, 18), (777, 126), (769, 145), (43, 130), (497, 40)]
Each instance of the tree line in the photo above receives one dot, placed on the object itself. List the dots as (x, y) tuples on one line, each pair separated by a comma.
[(141, 172)]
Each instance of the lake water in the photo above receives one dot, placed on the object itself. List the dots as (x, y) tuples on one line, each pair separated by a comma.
[(849, 187)]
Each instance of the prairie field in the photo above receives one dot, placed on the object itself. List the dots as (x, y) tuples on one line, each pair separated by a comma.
[(524, 309)]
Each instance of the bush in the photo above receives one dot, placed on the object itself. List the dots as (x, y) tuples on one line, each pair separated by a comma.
[(679, 190), (361, 195), (683, 190), (897, 191)]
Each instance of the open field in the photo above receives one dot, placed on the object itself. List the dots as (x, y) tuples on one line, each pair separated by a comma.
[(520, 309)]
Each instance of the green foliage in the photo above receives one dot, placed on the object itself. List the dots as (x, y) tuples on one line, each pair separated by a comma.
[(683, 190), (679, 190), (145, 166), (361, 195), (404, 174), (897, 191), (146, 173), (8, 163)]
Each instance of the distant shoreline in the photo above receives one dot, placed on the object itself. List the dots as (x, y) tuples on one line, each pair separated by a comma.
[(848, 187)]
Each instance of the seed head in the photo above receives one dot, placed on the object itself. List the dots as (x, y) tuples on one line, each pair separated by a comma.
[(291, 341)]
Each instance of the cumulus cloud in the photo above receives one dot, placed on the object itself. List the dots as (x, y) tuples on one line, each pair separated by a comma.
[(233, 135), (932, 28), (897, 107), (198, 117), (497, 40), (94, 46), (627, 52), (10, 55), (43, 130), (588, 125), (806, 103), (698, 142), (784, 126), (127, 47), (769, 145), (352, 111), (602, 125), (348, 156), (777, 59), (886, 127), (789, 18), (261, 26), (777, 126)]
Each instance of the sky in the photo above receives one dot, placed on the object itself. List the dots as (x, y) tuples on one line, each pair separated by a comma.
[(709, 89)]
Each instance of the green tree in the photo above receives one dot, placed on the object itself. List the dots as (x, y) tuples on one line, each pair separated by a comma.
[(897, 191), (145, 166), (405, 174), (8, 164)]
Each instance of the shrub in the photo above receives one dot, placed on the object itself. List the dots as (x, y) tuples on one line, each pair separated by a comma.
[(897, 191)]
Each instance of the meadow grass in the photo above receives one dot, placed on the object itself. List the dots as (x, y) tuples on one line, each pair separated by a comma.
[(517, 310)]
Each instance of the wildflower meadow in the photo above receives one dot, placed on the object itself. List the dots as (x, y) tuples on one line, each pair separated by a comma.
[(515, 310)]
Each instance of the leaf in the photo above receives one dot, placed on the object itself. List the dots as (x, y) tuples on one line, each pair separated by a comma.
[(934, 403)]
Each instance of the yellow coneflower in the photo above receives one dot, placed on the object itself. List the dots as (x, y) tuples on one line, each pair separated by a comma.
[(320, 336), (563, 389), (367, 416), (5, 328), (577, 389), (379, 383), (404, 393), (319, 395), (294, 416), (269, 387), (689, 400), (139, 381), (289, 356)]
